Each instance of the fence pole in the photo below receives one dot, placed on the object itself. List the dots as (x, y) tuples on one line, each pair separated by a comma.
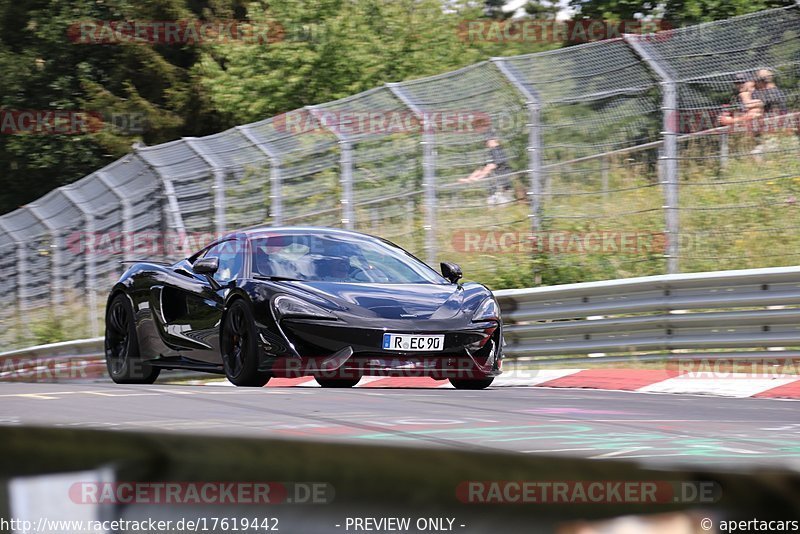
[(56, 276), (127, 215), (22, 269), (428, 172), (535, 145), (724, 149), (173, 208), (345, 167), (89, 264), (346, 162), (218, 187), (275, 178), (669, 157), (91, 280)]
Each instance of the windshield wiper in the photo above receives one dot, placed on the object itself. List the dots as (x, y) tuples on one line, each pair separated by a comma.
[(276, 278)]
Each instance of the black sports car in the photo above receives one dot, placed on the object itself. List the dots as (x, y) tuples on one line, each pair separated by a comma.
[(287, 302)]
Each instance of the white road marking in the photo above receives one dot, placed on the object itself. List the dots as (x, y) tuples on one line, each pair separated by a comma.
[(176, 391), (620, 452), (557, 450), (106, 394), (735, 386)]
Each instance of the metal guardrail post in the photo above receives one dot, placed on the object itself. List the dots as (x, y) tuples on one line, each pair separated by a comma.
[(173, 208), (275, 178), (535, 144), (669, 177), (345, 165), (218, 188), (428, 143)]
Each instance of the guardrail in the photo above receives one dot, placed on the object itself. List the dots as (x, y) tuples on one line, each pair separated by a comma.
[(651, 318), (83, 359), (754, 309)]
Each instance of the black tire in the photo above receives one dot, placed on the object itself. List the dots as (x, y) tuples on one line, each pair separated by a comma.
[(123, 360), (472, 383), (337, 382), (240, 347)]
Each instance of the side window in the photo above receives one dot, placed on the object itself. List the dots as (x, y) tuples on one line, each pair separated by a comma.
[(231, 260)]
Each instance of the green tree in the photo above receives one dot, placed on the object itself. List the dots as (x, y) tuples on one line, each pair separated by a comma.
[(494, 9), (542, 9), (43, 69), (331, 49), (684, 12), (677, 12)]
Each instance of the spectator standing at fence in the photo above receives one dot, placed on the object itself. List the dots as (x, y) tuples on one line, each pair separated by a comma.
[(769, 93), (743, 106), (774, 102), (498, 169)]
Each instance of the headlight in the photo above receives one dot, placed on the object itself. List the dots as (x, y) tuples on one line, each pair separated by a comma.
[(487, 311), (286, 306)]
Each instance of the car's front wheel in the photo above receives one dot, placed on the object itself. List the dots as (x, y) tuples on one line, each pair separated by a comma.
[(472, 383), (240, 347), (123, 359)]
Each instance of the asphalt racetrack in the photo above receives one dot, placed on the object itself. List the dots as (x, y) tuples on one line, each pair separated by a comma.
[(652, 429)]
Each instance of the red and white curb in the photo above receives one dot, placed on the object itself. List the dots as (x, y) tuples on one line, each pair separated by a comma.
[(640, 380)]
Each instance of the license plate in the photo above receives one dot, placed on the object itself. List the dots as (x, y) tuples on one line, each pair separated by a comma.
[(409, 342)]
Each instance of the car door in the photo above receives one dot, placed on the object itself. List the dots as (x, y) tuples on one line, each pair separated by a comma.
[(190, 305)]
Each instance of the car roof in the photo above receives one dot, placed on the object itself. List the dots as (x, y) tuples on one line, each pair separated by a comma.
[(266, 231)]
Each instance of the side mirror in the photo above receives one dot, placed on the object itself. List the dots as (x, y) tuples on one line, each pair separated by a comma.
[(451, 271), (206, 266)]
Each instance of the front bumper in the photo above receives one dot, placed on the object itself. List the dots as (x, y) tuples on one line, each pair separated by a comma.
[(333, 350)]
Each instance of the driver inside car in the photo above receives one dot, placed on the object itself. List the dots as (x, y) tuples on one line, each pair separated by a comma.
[(333, 269), (333, 264)]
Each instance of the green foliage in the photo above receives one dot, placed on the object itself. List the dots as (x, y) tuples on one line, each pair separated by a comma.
[(677, 12), (683, 12), (43, 69), (49, 330), (67, 321), (330, 49), (335, 49)]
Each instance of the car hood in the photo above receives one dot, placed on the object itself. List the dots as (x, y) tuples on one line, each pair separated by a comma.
[(390, 301)]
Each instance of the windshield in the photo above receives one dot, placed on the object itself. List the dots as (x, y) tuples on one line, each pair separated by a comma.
[(338, 258)]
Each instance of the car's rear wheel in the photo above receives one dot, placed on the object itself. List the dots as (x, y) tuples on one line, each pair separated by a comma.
[(123, 359), (240, 347), (327, 382), (472, 383)]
